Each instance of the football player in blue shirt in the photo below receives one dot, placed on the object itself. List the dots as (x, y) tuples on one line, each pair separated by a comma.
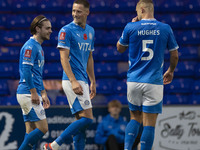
[(76, 43), (147, 40), (31, 92)]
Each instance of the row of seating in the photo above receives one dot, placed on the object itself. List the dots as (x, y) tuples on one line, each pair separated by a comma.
[(101, 69), (111, 85), (109, 54), (96, 6), (168, 99), (105, 21), (102, 37)]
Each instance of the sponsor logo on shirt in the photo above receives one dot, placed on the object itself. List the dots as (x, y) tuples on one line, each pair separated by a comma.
[(28, 53), (62, 35), (84, 46)]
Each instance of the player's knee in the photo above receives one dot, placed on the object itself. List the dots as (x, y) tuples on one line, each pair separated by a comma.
[(44, 129)]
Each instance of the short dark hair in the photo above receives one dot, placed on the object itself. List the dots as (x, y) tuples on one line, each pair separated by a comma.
[(37, 21), (85, 3)]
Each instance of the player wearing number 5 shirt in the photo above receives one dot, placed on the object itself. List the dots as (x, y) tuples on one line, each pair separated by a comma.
[(146, 38)]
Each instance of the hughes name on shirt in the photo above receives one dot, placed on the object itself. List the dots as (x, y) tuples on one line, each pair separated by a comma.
[(148, 32)]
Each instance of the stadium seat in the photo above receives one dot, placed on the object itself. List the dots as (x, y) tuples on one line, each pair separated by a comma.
[(105, 69), (185, 69), (192, 6), (105, 86), (9, 100), (196, 87), (23, 6), (197, 71), (3, 21), (97, 20), (53, 71), (99, 37), (7, 70), (111, 37), (4, 90), (120, 87), (190, 21), (177, 99), (63, 20), (123, 6), (189, 37), (179, 85), (99, 6), (14, 37), (9, 54), (4, 6), (51, 54), (61, 100), (195, 99), (189, 53), (121, 97), (169, 6)]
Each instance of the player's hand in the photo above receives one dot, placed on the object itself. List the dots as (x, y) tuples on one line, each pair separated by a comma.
[(168, 77), (77, 88), (135, 19), (45, 100), (34, 97), (92, 90)]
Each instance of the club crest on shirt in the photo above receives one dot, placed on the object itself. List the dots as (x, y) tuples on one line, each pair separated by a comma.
[(85, 36), (62, 35), (28, 53), (90, 36)]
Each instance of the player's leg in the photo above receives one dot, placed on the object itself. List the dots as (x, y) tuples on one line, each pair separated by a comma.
[(31, 113), (134, 95), (30, 126), (152, 105), (80, 106)]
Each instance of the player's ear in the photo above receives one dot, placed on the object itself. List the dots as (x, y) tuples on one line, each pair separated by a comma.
[(37, 29)]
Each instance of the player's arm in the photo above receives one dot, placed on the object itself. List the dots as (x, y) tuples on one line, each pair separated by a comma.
[(169, 74), (64, 58), (121, 48), (90, 72)]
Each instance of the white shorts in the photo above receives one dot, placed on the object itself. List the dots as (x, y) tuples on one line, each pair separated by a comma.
[(77, 102), (145, 97), (31, 112)]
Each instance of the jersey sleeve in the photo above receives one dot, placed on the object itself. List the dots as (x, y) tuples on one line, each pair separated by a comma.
[(64, 38), (29, 55), (171, 43), (124, 39)]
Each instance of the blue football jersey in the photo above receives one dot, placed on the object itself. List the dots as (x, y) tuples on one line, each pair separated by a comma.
[(31, 54), (147, 40), (80, 42)]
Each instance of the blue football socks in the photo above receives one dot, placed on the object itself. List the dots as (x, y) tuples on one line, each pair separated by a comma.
[(131, 133), (73, 129), (31, 139), (147, 137), (34, 146), (79, 140)]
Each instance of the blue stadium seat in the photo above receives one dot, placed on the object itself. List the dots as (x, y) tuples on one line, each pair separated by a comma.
[(99, 37), (63, 20), (19, 21), (189, 53), (190, 21), (99, 6), (9, 53), (105, 86), (9, 100), (185, 69), (23, 6), (195, 99), (51, 54), (120, 87), (169, 6), (197, 71), (123, 5), (53, 19), (189, 37), (111, 38), (61, 100), (97, 20), (182, 85), (177, 99), (7, 70), (53, 71), (14, 37), (192, 5), (4, 6), (105, 69), (4, 90), (196, 87), (3, 21), (118, 20), (121, 97)]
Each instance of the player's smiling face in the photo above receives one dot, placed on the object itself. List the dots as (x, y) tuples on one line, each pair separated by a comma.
[(45, 30), (79, 14)]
